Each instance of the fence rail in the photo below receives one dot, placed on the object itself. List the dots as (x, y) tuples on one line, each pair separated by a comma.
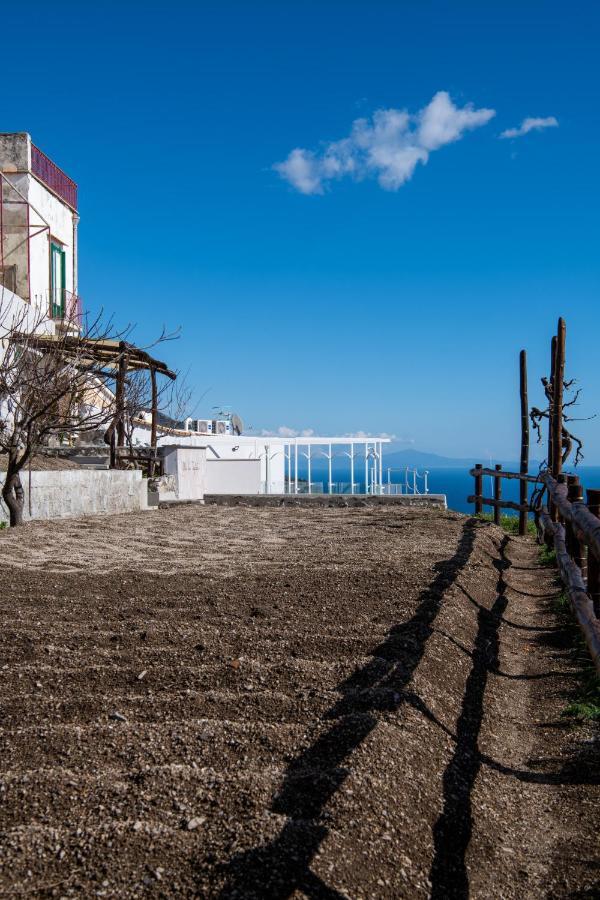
[(496, 502), (567, 524), (576, 541)]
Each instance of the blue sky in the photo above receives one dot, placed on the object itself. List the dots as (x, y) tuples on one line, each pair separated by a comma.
[(361, 307)]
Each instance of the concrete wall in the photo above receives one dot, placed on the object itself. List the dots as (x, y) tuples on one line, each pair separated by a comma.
[(230, 447), (82, 492), (233, 476), (188, 466)]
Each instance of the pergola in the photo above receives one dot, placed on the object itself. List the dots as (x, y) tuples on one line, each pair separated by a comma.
[(360, 451), (109, 359)]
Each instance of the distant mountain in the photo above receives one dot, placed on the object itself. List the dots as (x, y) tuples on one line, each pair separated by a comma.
[(418, 459)]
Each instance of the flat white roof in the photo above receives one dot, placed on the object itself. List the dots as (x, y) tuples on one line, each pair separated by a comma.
[(313, 439)]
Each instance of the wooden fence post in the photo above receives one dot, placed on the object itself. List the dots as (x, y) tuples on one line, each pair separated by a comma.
[(120, 402), (497, 494), (557, 394), (551, 507), (523, 485), (478, 489), (593, 582), (151, 464)]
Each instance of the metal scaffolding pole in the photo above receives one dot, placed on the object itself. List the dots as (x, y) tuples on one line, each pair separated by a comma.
[(296, 468)]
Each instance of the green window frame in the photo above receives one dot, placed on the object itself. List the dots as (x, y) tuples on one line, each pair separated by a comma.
[(57, 291)]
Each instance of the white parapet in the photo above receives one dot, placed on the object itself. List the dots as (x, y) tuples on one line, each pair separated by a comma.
[(81, 492)]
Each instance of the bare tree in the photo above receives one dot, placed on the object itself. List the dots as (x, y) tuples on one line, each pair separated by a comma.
[(49, 387), (568, 439)]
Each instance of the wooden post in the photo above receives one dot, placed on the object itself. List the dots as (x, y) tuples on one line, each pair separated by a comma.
[(593, 582), (478, 490), (154, 421), (497, 494), (551, 507), (524, 487), (120, 394), (557, 393)]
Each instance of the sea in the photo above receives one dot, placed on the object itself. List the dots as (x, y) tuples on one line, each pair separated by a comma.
[(457, 484)]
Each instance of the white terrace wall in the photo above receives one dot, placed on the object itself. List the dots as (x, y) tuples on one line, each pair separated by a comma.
[(233, 476), (82, 492)]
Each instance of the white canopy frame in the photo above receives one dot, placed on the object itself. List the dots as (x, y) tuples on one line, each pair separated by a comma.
[(370, 450)]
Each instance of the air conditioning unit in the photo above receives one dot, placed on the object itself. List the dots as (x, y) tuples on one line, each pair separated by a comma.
[(221, 426), (204, 426)]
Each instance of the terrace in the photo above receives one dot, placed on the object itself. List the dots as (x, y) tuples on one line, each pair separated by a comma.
[(53, 177)]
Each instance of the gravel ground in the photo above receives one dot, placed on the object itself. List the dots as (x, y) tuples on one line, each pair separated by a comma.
[(236, 702)]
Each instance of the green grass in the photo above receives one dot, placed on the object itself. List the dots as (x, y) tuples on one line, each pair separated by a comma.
[(584, 711), (585, 705), (547, 557), (3, 525), (509, 523)]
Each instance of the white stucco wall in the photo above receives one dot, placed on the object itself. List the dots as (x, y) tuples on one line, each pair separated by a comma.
[(45, 217), (233, 476), (60, 219), (188, 466), (232, 447), (82, 492)]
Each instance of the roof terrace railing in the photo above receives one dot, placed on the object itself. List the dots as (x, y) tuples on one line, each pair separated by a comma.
[(53, 177)]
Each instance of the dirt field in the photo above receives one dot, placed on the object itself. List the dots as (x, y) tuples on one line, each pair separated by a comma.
[(325, 703)]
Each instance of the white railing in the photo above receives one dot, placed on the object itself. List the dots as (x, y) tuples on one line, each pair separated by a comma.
[(413, 482)]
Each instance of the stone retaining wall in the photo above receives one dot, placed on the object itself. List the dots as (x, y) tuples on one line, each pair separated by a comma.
[(436, 501)]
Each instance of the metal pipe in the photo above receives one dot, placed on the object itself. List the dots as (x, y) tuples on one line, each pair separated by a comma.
[(296, 468), (308, 446)]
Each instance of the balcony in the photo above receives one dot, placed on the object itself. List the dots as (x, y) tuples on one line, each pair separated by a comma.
[(66, 309), (53, 177)]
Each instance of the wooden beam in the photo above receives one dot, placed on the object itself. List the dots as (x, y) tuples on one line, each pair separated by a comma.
[(558, 390), (153, 429), (502, 504), (120, 395), (532, 479)]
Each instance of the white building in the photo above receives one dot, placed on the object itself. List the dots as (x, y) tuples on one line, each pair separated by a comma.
[(248, 464), (38, 233)]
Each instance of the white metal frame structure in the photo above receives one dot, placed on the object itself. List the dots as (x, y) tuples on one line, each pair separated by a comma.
[(371, 454)]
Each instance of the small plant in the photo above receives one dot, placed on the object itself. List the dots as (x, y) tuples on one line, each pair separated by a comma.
[(510, 524), (562, 605), (547, 557), (585, 706), (584, 710), (3, 525)]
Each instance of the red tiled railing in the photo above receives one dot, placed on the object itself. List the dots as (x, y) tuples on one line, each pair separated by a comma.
[(53, 177)]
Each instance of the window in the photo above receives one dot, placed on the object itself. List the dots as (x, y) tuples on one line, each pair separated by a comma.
[(57, 280), (8, 278)]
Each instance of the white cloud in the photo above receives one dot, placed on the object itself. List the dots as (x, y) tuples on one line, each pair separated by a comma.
[(284, 431), (530, 124), (367, 435), (389, 146)]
